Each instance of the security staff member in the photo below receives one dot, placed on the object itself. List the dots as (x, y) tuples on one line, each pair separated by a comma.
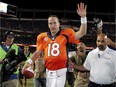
[(4, 48)]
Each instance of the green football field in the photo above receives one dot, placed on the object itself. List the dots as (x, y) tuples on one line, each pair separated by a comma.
[(30, 83)]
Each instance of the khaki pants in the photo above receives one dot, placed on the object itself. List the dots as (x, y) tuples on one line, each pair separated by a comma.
[(10, 83), (81, 83)]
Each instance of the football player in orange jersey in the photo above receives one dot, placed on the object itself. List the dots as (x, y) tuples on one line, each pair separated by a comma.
[(53, 44)]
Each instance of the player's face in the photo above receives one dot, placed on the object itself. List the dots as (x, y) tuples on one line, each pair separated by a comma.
[(101, 43), (53, 24)]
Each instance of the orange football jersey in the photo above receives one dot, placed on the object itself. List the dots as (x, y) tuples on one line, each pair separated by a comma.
[(54, 48)]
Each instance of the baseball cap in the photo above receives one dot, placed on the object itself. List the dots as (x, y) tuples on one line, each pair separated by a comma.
[(9, 34)]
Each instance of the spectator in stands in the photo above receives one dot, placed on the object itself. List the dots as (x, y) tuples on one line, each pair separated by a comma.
[(39, 72), (12, 80), (53, 44), (22, 79), (101, 62)]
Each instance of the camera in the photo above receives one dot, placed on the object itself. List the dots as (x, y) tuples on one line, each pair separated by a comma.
[(97, 23), (10, 62), (72, 47)]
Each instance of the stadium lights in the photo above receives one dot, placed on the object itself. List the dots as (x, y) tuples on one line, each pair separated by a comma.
[(8, 10)]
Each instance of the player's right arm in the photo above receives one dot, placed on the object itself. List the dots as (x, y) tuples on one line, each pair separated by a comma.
[(82, 13)]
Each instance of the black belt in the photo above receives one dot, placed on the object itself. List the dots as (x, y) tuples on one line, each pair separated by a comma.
[(100, 85)]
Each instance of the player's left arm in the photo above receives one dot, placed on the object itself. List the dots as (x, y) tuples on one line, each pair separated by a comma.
[(82, 13)]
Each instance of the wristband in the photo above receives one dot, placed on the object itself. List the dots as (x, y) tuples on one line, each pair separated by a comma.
[(30, 61), (83, 20)]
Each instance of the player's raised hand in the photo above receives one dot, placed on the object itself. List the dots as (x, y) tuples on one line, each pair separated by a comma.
[(81, 9)]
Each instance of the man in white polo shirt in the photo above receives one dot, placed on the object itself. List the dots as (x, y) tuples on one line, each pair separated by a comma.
[(101, 64)]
